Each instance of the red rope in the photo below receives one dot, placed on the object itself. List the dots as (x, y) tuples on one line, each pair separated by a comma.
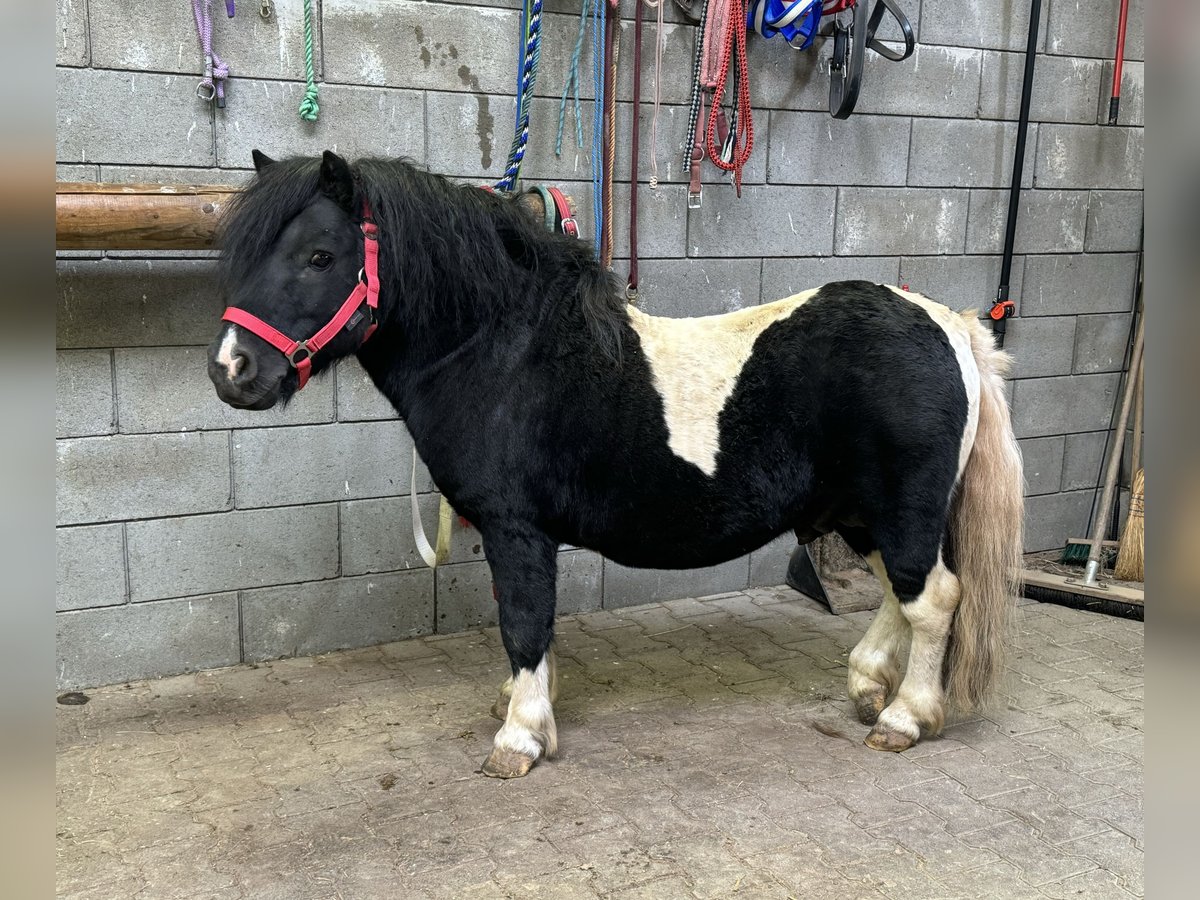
[(734, 39)]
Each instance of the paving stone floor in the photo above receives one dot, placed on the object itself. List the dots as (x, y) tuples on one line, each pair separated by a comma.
[(707, 750)]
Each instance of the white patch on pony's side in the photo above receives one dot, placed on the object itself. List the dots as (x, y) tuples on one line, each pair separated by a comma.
[(695, 364), (959, 335), (529, 728), (225, 355)]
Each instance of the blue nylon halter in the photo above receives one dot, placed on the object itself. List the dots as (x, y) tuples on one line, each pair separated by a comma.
[(796, 20)]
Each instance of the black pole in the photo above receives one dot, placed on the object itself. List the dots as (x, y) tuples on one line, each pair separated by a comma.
[(1003, 307)]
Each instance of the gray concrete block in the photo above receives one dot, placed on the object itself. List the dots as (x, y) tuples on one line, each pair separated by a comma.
[(1086, 156), (168, 389), (122, 643), (975, 23), (238, 549), (1070, 285), (662, 218), (161, 37), (354, 121), (303, 619), (419, 45), (892, 221), (960, 282), (464, 598), (176, 175), (1044, 406), (697, 287), (1041, 346), (377, 535), (319, 463), (631, 587), (934, 81), (580, 582), (71, 33), (1064, 88), (784, 277), (966, 153), (100, 479), (1043, 461), (76, 172), (1132, 109), (1114, 221), (1083, 457), (768, 564), (1100, 343), (95, 109), (1047, 221), (1052, 518), (1094, 34), (90, 567), (357, 396), (814, 148), (83, 395), (136, 303), (774, 221)]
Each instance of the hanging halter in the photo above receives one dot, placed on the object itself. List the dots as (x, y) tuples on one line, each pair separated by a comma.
[(300, 353)]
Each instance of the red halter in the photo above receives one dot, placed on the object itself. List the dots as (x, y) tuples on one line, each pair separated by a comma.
[(300, 353)]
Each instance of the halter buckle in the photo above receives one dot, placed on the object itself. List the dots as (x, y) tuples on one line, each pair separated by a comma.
[(302, 346)]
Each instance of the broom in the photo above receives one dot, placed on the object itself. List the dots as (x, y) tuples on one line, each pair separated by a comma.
[(1131, 560)]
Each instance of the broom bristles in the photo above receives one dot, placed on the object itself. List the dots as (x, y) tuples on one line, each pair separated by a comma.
[(1131, 560)]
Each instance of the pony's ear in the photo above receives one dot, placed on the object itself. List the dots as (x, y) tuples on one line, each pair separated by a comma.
[(337, 182), (261, 160)]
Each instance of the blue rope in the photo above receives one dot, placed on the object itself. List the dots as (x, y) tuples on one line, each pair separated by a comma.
[(531, 32), (573, 82), (598, 122)]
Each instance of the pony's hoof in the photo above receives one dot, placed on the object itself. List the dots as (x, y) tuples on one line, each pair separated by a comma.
[(884, 738), (503, 763), (500, 708), (868, 706)]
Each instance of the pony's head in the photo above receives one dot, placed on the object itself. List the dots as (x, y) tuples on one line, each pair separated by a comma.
[(292, 257)]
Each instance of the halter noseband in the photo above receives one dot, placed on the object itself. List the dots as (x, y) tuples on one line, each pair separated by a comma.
[(300, 353)]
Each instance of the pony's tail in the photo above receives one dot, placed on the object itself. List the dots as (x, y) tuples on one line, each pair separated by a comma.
[(986, 524)]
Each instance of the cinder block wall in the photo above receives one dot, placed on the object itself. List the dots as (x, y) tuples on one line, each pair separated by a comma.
[(191, 535)]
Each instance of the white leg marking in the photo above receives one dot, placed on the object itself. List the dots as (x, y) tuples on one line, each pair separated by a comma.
[(875, 661), (529, 728), (696, 364), (225, 356), (920, 701)]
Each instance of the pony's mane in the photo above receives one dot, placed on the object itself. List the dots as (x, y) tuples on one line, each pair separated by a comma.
[(447, 250)]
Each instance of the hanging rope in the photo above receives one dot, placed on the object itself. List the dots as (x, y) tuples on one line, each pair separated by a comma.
[(612, 39), (733, 42), (308, 106), (212, 85), (531, 33), (572, 84), (659, 41), (599, 16)]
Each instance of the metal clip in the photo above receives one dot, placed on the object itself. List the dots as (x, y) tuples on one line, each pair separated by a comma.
[(206, 90), (264, 10)]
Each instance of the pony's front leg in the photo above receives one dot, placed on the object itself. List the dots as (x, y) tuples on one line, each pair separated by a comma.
[(524, 566)]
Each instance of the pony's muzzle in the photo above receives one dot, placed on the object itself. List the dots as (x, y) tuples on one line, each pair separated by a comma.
[(235, 373)]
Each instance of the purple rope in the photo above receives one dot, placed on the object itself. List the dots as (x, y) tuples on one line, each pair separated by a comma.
[(215, 72)]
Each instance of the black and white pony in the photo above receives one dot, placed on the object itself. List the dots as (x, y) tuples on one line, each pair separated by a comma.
[(548, 411)]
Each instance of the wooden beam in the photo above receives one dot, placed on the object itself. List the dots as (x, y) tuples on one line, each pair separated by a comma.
[(138, 216)]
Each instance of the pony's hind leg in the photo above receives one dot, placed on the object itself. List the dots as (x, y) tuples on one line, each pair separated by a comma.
[(523, 564), (875, 660), (928, 605)]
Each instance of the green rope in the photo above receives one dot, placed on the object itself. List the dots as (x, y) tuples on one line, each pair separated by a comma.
[(308, 106)]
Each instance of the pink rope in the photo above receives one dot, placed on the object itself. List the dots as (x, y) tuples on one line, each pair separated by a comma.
[(659, 40)]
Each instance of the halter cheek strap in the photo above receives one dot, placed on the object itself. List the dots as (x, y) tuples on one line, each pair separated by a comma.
[(300, 353)]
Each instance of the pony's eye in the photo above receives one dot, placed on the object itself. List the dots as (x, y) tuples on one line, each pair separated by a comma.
[(321, 260)]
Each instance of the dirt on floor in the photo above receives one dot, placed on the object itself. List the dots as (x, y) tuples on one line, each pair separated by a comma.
[(707, 749)]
